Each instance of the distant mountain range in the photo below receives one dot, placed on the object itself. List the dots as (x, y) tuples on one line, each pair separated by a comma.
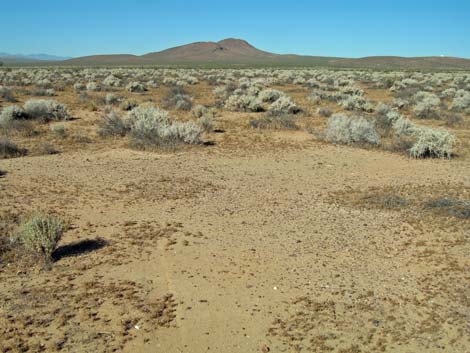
[(6, 57), (239, 53)]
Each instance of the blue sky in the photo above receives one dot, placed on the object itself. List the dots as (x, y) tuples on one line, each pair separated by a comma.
[(327, 28)]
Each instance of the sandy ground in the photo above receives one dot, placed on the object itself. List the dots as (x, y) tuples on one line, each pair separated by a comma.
[(264, 242), (251, 248)]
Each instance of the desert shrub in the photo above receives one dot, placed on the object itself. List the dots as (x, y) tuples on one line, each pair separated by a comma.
[(385, 119), (112, 81), (206, 122), (400, 103), (8, 223), (243, 103), (382, 109), (403, 134), (152, 84), (325, 112), (11, 113), (169, 81), (59, 130), (199, 110), (79, 86), (112, 125), (151, 126), (452, 207), (111, 99), (10, 150), (421, 141), (128, 104), (351, 130), (92, 86), (275, 122), (46, 148), (427, 105), (44, 83), (45, 110), (7, 94), (449, 92), (136, 87), (314, 97), (357, 103), (177, 98), (283, 105), (186, 132), (41, 234), (385, 200), (432, 143), (453, 119), (461, 101), (405, 93), (43, 92), (404, 127), (223, 92), (146, 117), (269, 95)]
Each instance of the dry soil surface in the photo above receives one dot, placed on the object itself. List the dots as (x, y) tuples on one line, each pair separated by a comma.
[(209, 250)]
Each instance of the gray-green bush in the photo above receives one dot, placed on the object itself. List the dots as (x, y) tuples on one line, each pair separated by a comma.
[(113, 125), (350, 130), (9, 149), (41, 234), (151, 126), (45, 110)]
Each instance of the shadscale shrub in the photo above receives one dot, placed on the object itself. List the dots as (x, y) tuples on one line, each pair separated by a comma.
[(461, 102), (385, 119), (112, 81), (136, 87), (79, 86), (199, 110), (357, 103), (206, 122), (325, 112), (41, 234), (151, 126), (269, 95), (111, 99), (92, 86), (46, 110), (7, 94), (11, 113), (10, 150), (427, 105), (432, 143), (59, 130), (128, 104), (351, 130), (421, 142), (177, 98), (244, 103), (112, 125), (283, 105)]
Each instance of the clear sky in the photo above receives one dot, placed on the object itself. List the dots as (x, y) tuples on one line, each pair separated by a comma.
[(316, 27)]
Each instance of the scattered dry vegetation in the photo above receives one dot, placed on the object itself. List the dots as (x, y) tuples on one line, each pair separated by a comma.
[(337, 205)]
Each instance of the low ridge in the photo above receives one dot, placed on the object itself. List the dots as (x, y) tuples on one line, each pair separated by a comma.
[(232, 51)]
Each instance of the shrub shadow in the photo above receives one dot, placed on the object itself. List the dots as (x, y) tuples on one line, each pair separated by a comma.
[(78, 248)]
